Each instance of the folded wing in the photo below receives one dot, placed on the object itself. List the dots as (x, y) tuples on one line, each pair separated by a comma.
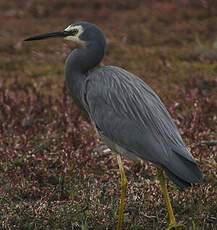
[(127, 111)]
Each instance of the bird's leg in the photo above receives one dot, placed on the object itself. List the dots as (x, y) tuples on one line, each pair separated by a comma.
[(173, 223), (123, 193)]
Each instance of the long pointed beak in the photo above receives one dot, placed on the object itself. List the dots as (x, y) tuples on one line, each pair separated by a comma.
[(49, 35)]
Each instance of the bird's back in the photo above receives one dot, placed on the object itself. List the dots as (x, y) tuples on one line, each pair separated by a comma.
[(131, 117)]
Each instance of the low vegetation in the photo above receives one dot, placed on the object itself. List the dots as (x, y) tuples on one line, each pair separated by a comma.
[(54, 173)]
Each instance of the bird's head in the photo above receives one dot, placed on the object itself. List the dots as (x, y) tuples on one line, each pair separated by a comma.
[(81, 32)]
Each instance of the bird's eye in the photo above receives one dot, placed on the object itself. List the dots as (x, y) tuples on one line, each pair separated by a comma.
[(74, 32)]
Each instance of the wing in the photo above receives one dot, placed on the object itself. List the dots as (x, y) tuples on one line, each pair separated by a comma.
[(127, 111)]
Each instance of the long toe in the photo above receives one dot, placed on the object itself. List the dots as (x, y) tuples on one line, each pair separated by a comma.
[(175, 225)]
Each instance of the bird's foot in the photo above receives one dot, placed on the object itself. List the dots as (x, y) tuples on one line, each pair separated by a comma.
[(174, 225)]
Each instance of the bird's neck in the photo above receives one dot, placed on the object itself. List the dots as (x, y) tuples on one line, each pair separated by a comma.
[(78, 63), (83, 60)]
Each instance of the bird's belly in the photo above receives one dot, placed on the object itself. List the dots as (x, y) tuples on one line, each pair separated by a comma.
[(118, 149)]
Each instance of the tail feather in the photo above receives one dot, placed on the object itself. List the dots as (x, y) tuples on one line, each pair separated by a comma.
[(176, 180), (182, 172)]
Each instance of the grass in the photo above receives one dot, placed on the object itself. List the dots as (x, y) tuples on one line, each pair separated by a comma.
[(53, 172)]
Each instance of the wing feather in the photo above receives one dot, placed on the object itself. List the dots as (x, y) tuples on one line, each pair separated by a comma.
[(128, 113), (129, 97), (113, 94)]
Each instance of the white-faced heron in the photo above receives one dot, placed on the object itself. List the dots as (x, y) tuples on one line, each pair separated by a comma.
[(127, 114)]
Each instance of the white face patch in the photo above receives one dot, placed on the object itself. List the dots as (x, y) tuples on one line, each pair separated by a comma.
[(75, 38)]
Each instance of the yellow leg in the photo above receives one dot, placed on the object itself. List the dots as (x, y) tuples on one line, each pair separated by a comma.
[(173, 223), (123, 193)]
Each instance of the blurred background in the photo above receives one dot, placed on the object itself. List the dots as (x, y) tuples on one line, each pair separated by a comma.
[(54, 173)]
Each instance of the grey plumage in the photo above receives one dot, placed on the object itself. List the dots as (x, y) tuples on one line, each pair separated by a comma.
[(127, 114)]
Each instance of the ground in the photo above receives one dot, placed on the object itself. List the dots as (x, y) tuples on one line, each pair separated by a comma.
[(54, 173)]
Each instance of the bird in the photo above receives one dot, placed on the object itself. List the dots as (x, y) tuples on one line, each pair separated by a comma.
[(127, 114)]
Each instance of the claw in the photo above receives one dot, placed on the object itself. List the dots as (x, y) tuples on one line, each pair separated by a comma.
[(175, 225)]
